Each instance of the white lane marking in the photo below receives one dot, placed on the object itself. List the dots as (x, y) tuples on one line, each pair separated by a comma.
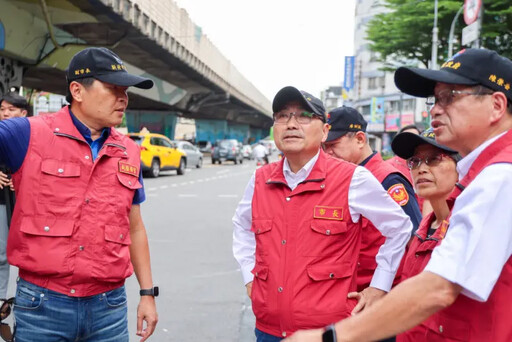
[(213, 178), (222, 171), (164, 186), (174, 185), (152, 195), (208, 179), (152, 189), (187, 195), (191, 182), (227, 196)]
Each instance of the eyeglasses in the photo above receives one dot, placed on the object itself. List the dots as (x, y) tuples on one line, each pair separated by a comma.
[(445, 97), (5, 311), (302, 118), (433, 160)]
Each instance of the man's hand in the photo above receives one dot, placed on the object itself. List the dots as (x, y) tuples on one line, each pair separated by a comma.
[(248, 286), (314, 335), (146, 311), (366, 298), (5, 181)]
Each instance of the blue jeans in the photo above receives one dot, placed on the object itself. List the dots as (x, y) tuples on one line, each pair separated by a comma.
[(264, 337), (43, 315)]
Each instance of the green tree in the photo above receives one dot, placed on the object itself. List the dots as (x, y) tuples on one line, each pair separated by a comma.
[(404, 33)]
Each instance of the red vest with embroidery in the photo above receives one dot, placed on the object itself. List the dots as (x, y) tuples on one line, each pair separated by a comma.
[(467, 319), (70, 230), (306, 247), (372, 239)]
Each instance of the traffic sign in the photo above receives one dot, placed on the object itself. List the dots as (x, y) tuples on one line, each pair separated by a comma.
[(471, 10), (470, 33)]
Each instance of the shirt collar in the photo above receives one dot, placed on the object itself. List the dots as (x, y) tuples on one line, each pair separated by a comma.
[(85, 131), (304, 171), (465, 163), (363, 163)]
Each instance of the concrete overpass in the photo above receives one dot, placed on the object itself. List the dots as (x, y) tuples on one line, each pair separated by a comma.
[(155, 38)]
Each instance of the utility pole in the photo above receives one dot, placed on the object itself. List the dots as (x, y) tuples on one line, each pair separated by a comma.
[(435, 31), (452, 29)]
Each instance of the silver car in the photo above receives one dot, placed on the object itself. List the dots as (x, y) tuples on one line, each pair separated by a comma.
[(194, 156)]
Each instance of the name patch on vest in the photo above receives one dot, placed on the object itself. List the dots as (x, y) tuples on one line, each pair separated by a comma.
[(328, 213), (399, 194), (124, 167)]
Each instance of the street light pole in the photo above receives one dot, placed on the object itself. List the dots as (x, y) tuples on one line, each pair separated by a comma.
[(435, 31), (452, 28)]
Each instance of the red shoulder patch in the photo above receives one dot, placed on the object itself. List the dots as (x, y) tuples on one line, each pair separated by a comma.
[(128, 169), (399, 194)]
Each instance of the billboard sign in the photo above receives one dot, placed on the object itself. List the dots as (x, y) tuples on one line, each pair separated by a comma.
[(348, 81)]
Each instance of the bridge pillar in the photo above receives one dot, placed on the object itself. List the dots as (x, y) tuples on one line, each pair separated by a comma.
[(10, 74), (154, 121), (240, 132), (211, 130)]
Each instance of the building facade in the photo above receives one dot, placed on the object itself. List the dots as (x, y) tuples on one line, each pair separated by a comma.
[(374, 93)]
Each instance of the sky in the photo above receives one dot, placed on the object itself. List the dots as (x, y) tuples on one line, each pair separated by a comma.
[(276, 43)]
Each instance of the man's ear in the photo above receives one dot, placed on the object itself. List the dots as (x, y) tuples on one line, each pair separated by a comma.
[(24, 113), (76, 90), (361, 137)]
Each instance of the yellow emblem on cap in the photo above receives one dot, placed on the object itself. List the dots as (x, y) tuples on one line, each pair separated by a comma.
[(507, 86), (492, 78), (113, 66)]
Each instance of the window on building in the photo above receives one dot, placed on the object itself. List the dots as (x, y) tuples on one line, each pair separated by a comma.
[(372, 83), (365, 110)]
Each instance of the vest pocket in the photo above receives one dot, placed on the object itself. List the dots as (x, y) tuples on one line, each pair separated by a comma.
[(129, 181), (47, 239), (58, 182), (327, 289), (323, 237), (444, 328), (259, 294), (115, 262), (262, 229)]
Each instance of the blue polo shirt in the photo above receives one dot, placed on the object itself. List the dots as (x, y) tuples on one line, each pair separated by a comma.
[(15, 137), (412, 208)]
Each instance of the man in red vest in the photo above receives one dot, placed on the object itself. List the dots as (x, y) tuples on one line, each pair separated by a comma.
[(76, 233), (347, 140), (470, 100), (298, 228)]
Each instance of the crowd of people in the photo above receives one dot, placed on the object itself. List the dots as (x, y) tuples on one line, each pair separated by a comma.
[(330, 241), (333, 242)]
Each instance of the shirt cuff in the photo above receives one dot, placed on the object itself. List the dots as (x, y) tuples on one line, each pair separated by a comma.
[(246, 273), (382, 279)]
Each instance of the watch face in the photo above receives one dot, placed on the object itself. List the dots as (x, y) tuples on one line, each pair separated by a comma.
[(328, 336), (156, 291)]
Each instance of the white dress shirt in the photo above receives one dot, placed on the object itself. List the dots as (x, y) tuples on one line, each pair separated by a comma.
[(366, 197), (479, 240)]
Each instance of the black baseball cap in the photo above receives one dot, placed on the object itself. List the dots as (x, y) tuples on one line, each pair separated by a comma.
[(404, 144), (468, 67), (289, 94), (343, 120), (104, 65)]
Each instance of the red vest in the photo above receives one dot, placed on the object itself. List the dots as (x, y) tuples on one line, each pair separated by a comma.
[(70, 230), (306, 248), (467, 319), (372, 239)]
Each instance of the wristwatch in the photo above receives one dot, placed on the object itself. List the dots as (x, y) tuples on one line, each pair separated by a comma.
[(150, 292), (329, 334)]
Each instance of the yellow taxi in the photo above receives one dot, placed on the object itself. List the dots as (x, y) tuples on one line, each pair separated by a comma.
[(158, 153)]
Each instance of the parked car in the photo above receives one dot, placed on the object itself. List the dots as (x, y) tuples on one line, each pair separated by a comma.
[(159, 153), (194, 156), (247, 152), (204, 146), (227, 149)]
